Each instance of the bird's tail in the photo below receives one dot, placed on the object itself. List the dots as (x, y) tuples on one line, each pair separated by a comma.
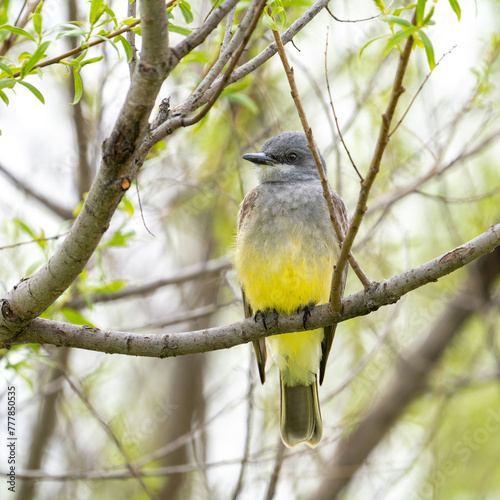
[(300, 415)]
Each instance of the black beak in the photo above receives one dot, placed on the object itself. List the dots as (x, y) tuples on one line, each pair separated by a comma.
[(259, 159)]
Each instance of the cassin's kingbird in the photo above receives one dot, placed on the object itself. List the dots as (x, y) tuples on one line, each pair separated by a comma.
[(286, 250)]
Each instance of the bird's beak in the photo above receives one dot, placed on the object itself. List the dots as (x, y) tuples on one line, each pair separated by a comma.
[(259, 159)]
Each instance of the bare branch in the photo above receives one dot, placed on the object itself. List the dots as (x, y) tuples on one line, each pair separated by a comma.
[(33, 295), (42, 331), (212, 267), (319, 166), (61, 212), (409, 379), (367, 183)]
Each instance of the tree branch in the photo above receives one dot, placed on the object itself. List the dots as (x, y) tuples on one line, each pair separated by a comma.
[(176, 120), (367, 183), (61, 212), (33, 295), (409, 379), (190, 273), (42, 331)]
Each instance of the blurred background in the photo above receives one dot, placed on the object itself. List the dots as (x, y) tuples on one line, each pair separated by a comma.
[(202, 426)]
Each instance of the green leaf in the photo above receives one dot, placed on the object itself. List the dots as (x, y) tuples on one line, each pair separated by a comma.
[(428, 18), (33, 90), (396, 20), (5, 99), (129, 51), (92, 60), (269, 22), (111, 287), (178, 29), (244, 100), (397, 38), (456, 8), (119, 239), (17, 31), (35, 58), (186, 11), (370, 42), (75, 317), (429, 49), (6, 68), (104, 38), (7, 83), (72, 31), (97, 9), (126, 206), (37, 19), (25, 228), (78, 86), (420, 11)]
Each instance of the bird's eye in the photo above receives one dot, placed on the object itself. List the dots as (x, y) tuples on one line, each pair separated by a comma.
[(292, 157)]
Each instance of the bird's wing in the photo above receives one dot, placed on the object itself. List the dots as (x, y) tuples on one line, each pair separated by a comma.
[(326, 345), (259, 346)]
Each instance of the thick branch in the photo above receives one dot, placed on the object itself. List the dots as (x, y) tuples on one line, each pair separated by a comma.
[(41, 331), (33, 295), (410, 378)]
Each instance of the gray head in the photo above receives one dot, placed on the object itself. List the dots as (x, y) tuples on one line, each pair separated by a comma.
[(286, 158)]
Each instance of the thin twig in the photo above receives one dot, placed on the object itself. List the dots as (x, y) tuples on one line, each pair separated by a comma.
[(367, 183), (77, 50), (278, 462), (228, 31), (60, 211), (113, 437), (234, 60), (314, 151), (246, 452), (333, 110), (418, 91), (132, 12), (310, 138), (212, 267), (376, 16), (36, 240)]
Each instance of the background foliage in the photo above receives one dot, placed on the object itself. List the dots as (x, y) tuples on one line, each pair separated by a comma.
[(203, 423)]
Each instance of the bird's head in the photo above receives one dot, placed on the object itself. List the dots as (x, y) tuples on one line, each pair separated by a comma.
[(285, 158)]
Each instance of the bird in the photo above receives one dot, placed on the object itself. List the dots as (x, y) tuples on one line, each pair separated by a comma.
[(285, 253)]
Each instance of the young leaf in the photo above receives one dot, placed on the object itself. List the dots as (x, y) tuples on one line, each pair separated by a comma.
[(37, 19), (397, 38), (6, 69), (97, 9), (268, 22), (17, 31), (33, 90), (5, 99), (456, 8), (36, 57), (396, 20), (78, 86), (420, 11), (126, 47), (370, 42), (429, 49), (186, 11), (75, 317), (7, 83), (178, 29)]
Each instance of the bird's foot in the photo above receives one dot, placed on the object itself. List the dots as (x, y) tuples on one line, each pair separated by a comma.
[(307, 312), (262, 314)]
